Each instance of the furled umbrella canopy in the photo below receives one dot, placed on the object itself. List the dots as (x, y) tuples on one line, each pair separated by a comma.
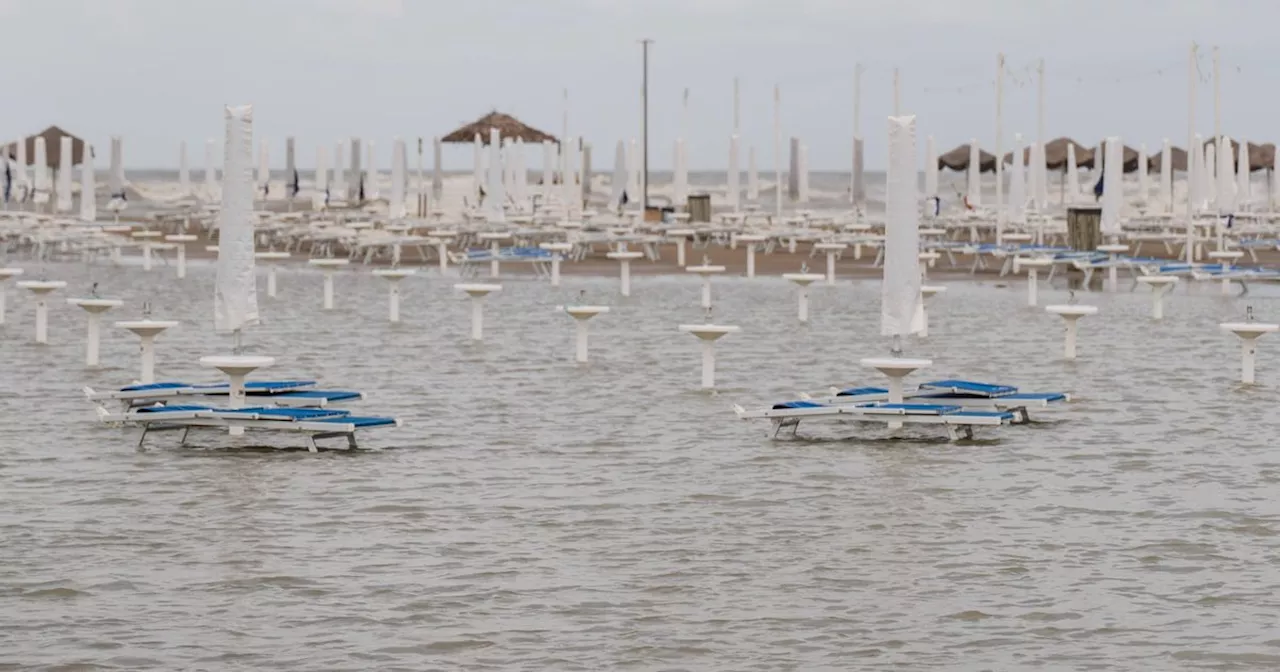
[(507, 125), (958, 160), (52, 139)]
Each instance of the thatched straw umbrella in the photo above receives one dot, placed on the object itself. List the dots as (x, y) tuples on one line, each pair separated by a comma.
[(1130, 160), (1260, 156), (1055, 154), (1264, 158), (507, 125), (52, 140), (958, 160), (1177, 156)]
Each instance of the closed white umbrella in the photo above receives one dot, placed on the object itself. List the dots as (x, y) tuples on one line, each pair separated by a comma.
[(88, 191)]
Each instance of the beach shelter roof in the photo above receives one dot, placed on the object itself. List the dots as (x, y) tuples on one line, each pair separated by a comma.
[(1177, 156), (507, 125), (958, 160), (52, 140)]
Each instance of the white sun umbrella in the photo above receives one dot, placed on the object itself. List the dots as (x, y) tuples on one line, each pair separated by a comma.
[(21, 178), (496, 195), (1031, 190), (115, 185), (1275, 180), (931, 175), (679, 182), (437, 172), (1210, 172), (264, 170), (548, 169), (633, 170), (1073, 174), (753, 175), (1112, 186), (1243, 192), (422, 180), (508, 174), (477, 168), (974, 175), (1017, 184), (371, 173), (235, 297), (395, 206), (1166, 177), (320, 198), (404, 172), (40, 178), (339, 184), (1144, 185), (859, 185), (568, 176), (64, 202), (734, 191), (520, 172), (901, 305), (210, 173), (509, 170), (292, 183), (184, 170), (1194, 177), (1029, 166), (804, 173), (618, 184), (88, 191), (357, 171), (579, 157), (1226, 184), (1042, 179)]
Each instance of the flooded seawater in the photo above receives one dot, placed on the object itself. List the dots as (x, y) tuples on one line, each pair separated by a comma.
[(536, 515)]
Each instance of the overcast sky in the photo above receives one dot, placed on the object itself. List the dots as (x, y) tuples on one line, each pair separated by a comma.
[(159, 71)]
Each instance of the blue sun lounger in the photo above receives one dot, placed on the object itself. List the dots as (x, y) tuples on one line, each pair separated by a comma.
[(469, 260), (965, 393), (962, 403), (313, 422), (958, 421), (292, 393)]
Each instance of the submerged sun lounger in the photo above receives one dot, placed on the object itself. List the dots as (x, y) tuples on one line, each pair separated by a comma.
[(958, 421), (966, 393), (313, 422), (292, 393), (958, 404)]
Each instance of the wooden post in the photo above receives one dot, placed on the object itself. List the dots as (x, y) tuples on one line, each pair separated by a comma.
[(1084, 228)]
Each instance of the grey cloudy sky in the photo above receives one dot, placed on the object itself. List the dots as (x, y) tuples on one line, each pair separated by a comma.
[(158, 71)]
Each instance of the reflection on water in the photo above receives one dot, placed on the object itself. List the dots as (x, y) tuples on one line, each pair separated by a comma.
[(537, 515)]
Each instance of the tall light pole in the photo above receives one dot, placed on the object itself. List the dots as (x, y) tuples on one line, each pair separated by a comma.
[(644, 128)]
